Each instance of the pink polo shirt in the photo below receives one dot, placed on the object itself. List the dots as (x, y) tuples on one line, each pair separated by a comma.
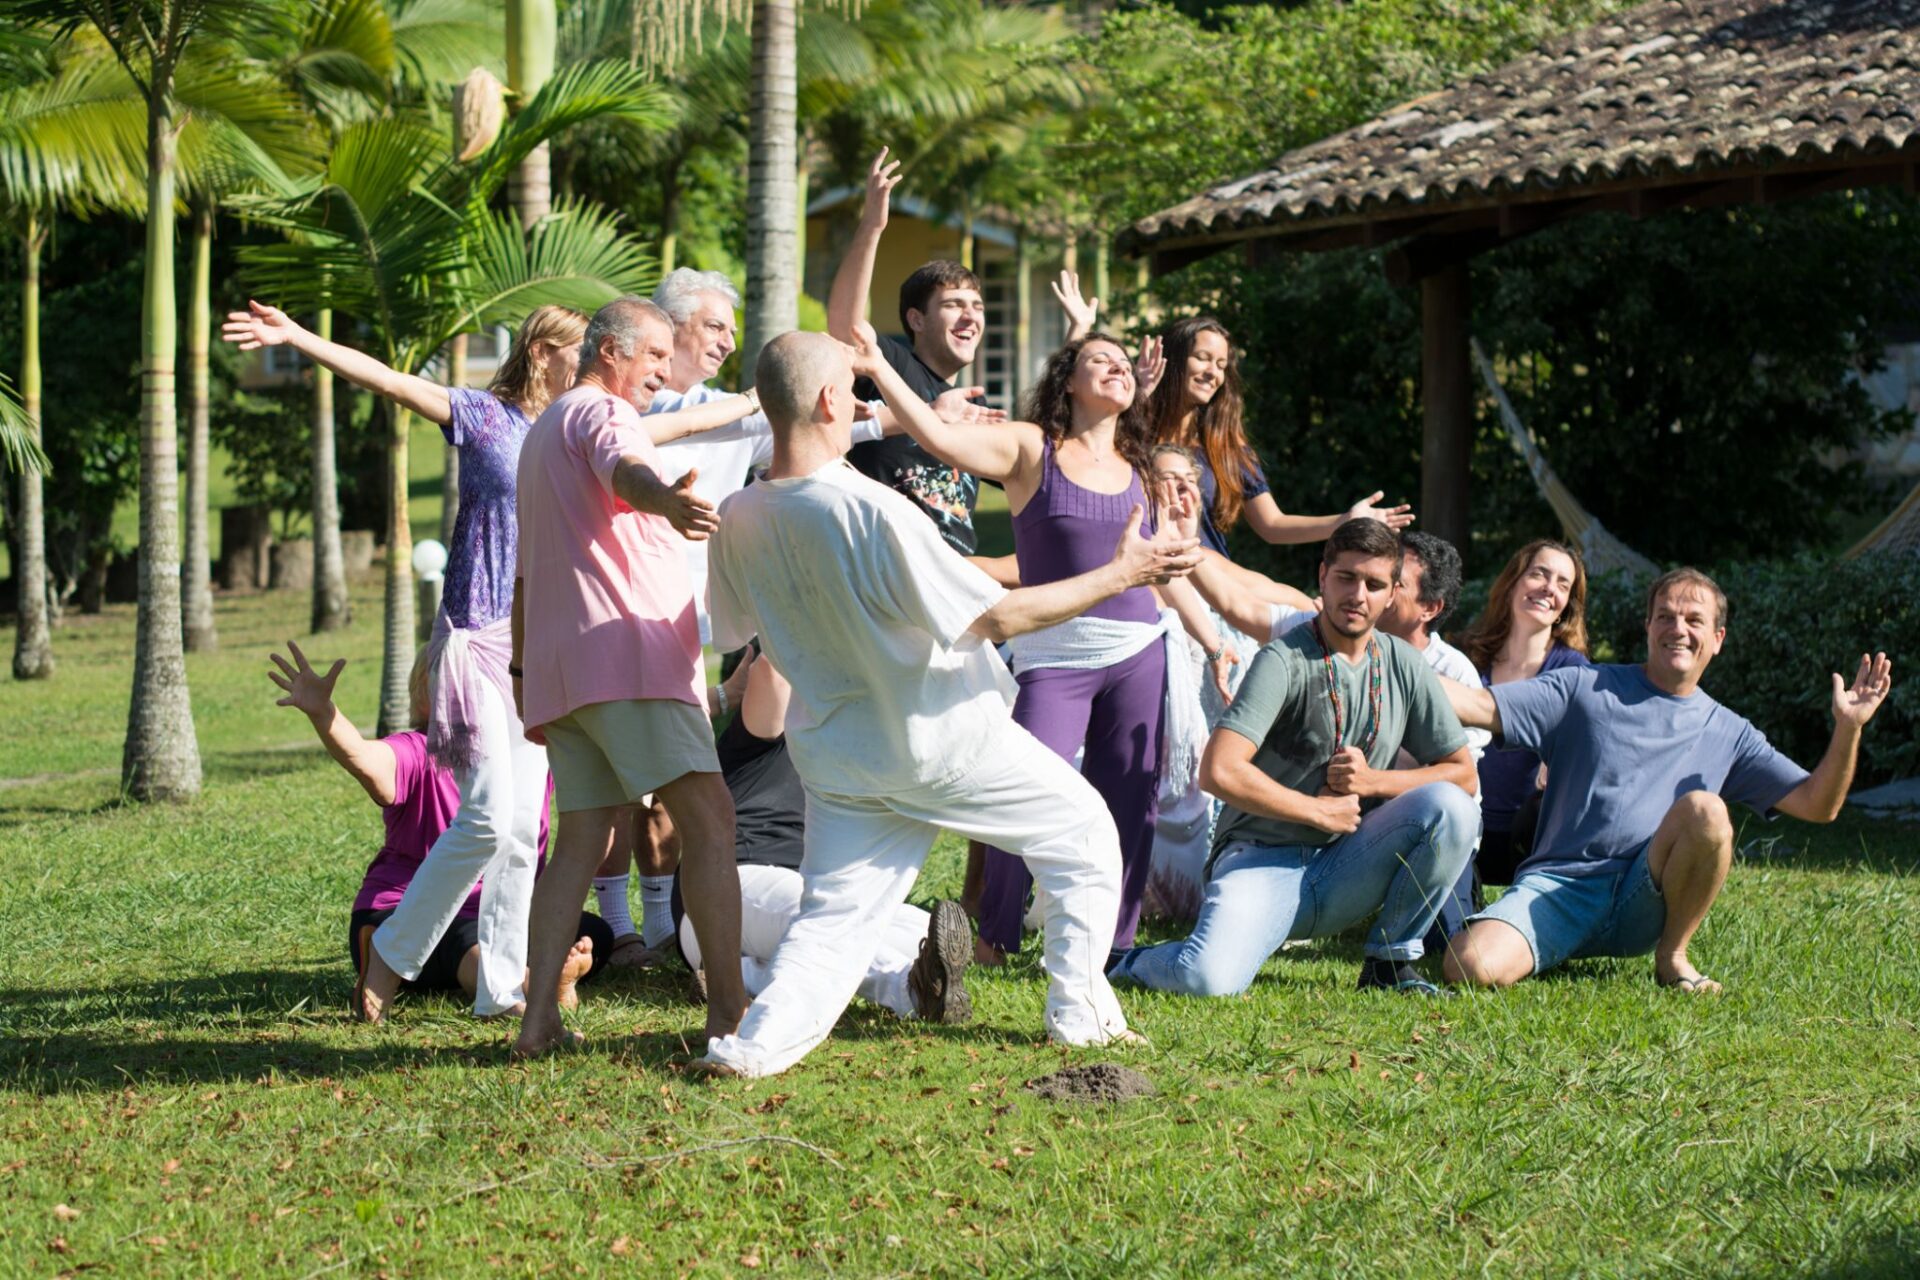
[(608, 605)]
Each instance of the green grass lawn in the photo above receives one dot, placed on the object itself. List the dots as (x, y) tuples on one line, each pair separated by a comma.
[(181, 1091)]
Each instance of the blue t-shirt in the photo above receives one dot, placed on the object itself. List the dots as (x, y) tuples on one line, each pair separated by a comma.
[(1506, 771), (1253, 483), (1619, 751)]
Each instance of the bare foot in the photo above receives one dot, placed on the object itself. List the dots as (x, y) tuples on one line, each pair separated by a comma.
[(539, 1045), (377, 988), (985, 953), (712, 1069), (1678, 973), (572, 969)]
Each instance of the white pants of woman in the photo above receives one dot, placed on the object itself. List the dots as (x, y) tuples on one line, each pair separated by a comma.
[(770, 902), (862, 856), (495, 834)]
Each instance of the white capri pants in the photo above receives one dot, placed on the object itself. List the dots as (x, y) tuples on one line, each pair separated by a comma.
[(495, 833), (769, 903), (862, 856)]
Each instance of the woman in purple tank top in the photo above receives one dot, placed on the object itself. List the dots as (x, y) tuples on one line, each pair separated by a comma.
[(1099, 683)]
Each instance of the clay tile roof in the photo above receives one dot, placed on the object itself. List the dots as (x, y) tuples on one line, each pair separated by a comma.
[(1666, 90)]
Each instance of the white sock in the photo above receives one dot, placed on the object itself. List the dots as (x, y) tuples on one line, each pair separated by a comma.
[(656, 909), (611, 893)]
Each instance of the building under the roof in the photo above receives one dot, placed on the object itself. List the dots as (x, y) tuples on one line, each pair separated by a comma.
[(1678, 103)]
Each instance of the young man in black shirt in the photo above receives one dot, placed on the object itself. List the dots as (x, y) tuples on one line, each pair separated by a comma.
[(944, 318)]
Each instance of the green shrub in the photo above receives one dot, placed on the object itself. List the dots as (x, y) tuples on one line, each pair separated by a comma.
[(1789, 624)]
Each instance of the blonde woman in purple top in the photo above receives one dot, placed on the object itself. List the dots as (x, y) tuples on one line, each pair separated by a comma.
[(1074, 475), (474, 729)]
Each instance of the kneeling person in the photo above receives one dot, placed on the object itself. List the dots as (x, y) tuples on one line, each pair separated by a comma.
[(1635, 839), (1320, 831)]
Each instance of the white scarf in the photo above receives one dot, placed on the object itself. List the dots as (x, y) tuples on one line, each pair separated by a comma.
[(1088, 644)]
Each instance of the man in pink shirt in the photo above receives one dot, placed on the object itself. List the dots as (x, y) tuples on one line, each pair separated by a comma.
[(606, 656)]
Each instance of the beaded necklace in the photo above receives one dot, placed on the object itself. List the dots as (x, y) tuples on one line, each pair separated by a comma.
[(1375, 664)]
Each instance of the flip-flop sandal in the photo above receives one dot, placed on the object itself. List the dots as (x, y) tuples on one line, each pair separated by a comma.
[(1700, 984), (630, 951)]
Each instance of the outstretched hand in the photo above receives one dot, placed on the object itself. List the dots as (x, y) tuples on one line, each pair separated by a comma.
[(1151, 366), (1179, 506), (1161, 558), (1395, 518), (1855, 704), (956, 405), (883, 175), (863, 350), (688, 512), (1081, 311), (306, 689), (259, 326)]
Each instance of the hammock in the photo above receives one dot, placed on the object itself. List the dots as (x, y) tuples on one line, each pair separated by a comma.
[(1899, 532), (1603, 552)]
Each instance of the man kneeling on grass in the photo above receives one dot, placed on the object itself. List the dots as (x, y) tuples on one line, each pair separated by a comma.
[(1320, 831), (1634, 839), (418, 798)]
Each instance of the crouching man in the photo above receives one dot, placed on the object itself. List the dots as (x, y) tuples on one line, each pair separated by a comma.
[(1635, 839)]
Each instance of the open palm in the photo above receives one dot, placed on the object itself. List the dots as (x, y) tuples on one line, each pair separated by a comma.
[(1855, 704)]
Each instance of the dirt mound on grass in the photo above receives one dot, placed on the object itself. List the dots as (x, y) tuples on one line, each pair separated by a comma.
[(1095, 1082)]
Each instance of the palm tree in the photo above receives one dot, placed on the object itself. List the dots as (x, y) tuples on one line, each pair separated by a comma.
[(397, 233), (69, 138)]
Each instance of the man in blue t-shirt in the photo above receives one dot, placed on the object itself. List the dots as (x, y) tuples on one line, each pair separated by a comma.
[(1634, 839)]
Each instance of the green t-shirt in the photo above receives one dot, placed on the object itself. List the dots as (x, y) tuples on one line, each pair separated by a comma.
[(1283, 709)]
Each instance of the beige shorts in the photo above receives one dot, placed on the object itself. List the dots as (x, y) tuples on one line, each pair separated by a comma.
[(614, 753)]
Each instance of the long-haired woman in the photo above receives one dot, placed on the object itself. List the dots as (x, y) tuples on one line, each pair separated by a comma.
[(1075, 474), (1535, 621), (474, 729)]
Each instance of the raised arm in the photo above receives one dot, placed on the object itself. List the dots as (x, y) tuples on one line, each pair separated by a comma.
[(1265, 518), (263, 326), (709, 418), (371, 763), (1137, 562), (1081, 311), (1179, 596), (1475, 707), (1820, 797), (1228, 771), (1216, 583), (847, 301), (955, 406), (992, 451), (637, 484)]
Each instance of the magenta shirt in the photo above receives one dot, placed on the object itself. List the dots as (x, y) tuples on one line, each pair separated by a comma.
[(609, 604), (425, 798)]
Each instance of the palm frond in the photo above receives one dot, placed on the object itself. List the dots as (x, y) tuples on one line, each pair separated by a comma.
[(577, 256), (77, 137), (17, 444), (594, 90), (437, 42)]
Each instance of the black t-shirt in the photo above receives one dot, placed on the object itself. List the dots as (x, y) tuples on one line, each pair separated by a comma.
[(769, 805), (947, 494)]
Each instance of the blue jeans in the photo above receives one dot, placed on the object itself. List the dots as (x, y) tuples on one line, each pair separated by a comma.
[(1400, 863)]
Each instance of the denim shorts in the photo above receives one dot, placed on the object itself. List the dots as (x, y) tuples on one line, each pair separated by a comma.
[(1565, 918)]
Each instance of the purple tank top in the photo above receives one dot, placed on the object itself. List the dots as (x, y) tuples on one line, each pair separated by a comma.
[(1066, 530)]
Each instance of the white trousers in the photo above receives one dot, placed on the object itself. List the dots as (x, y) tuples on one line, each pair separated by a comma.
[(862, 856), (769, 903), (495, 834)]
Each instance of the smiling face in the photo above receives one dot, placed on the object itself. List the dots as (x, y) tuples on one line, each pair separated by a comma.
[(703, 341), (1176, 470), (1102, 378), (1683, 634), (638, 376), (946, 333), (1206, 370), (1540, 597), (1356, 591)]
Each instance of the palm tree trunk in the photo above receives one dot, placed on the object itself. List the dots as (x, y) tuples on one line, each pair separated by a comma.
[(532, 30), (330, 608), (669, 215), (773, 297), (450, 471), (397, 656), (196, 574), (33, 637), (162, 757)]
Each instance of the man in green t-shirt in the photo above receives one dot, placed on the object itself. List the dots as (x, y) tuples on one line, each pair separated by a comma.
[(1320, 831)]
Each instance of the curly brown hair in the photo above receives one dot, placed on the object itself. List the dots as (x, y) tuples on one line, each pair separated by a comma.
[(1050, 405), (1483, 641), (1220, 423)]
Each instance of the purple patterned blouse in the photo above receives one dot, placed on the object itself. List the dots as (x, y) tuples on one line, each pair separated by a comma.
[(486, 534)]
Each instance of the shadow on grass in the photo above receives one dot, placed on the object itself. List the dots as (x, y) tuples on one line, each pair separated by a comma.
[(245, 766), (1890, 1251)]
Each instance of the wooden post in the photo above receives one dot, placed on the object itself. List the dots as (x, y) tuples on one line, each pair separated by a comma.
[(1019, 364), (1446, 393)]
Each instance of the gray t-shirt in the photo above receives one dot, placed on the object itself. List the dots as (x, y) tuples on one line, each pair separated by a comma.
[(1283, 708), (1619, 751)]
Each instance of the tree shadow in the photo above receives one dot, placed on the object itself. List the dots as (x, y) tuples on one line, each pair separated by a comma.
[(1891, 1251)]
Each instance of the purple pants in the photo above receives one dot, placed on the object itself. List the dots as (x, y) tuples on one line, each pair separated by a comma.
[(1119, 714)]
